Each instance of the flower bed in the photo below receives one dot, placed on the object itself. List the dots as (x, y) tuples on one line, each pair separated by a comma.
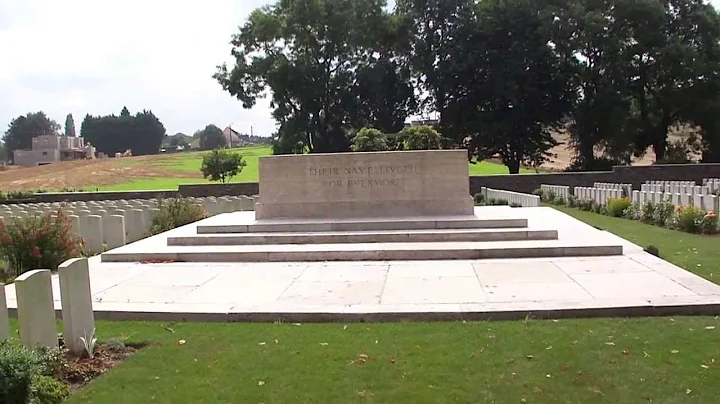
[(689, 218)]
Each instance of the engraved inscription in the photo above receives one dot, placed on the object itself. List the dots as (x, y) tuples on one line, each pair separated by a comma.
[(376, 176)]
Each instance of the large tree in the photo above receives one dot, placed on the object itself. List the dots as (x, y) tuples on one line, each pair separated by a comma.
[(307, 53), (525, 93), (69, 126), (23, 128), (211, 137)]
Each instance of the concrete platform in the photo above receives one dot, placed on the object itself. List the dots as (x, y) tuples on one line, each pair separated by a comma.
[(371, 236), (318, 245), (632, 284), (244, 222)]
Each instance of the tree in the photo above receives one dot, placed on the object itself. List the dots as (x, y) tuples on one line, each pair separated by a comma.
[(419, 138), (69, 126), (529, 95), (211, 137), (125, 113), (369, 139), (23, 129), (142, 133), (306, 53), (221, 165)]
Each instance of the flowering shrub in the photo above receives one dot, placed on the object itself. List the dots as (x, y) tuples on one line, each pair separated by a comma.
[(175, 213), (709, 223), (647, 211), (687, 218), (38, 242), (616, 206), (662, 213)]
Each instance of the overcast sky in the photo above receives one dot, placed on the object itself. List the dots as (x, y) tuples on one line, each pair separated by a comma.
[(96, 56)]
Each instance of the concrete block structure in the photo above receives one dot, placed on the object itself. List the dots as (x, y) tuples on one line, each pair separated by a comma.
[(48, 149)]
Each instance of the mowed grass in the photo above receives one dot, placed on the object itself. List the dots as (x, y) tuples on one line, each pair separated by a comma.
[(187, 165), (644, 360), (638, 360)]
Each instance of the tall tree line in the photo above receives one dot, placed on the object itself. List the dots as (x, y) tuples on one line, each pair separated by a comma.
[(142, 133), (502, 75)]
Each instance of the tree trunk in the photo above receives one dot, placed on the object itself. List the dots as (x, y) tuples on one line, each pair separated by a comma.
[(513, 165)]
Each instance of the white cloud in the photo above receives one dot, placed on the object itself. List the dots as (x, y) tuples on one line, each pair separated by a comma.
[(95, 57)]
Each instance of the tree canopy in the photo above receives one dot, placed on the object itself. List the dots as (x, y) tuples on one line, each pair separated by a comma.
[(24, 128), (142, 133), (502, 76), (211, 137), (69, 126)]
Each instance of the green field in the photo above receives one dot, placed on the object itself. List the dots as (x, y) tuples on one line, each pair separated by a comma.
[(638, 360), (188, 165)]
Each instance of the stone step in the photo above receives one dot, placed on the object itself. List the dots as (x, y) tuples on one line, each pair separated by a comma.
[(365, 251), (372, 236), (314, 225)]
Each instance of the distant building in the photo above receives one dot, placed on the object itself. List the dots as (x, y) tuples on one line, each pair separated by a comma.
[(232, 138), (48, 149)]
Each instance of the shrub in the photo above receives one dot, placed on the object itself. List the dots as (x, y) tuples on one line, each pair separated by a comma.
[(572, 201), (709, 223), (647, 212), (47, 390), (419, 138), (221, 165), (616, 206), (38, 242), (632, 212), (585, 204), (115, 345), (479, 199), (19, 366), (369, 139), (651, 249), (662, 213), (688, 219), (175, 213)]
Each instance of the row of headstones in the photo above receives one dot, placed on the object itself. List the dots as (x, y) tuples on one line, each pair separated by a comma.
[(625, 188), (36, 311), (691, 189), (112, 224), (560, 191), (513, 198), (708, 203), (712, 183), (598, 195)]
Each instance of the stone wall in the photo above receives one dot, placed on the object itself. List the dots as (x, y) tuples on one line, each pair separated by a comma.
[(201, 190)]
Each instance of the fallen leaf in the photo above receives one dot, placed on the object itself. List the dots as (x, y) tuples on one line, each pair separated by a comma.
[(646, 354), (523, 400), (674, 351), (261, 343), (261, 383), (625, 352), (610, 343), (529, 356), (556, 321), (548, 375), (323, 344), (710, 327), (548, 348), (345, 327), (276, 341), (298, 324), (688, 391), (704, 366), (362, 358), (169, 329)]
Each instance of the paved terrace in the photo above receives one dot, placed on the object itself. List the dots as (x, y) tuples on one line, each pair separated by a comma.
[(635, 283)]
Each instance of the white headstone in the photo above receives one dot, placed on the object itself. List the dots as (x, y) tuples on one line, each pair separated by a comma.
[(36, 313), (92, 231), (114, 231), (77, 311)]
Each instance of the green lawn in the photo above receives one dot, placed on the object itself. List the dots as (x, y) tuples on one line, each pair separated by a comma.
[(189, 163), (639, 360)]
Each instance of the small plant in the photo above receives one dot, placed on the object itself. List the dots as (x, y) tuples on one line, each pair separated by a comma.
[(515, 205), (37, 242), (632, 212), (221, 165), (585, 204), (175, 213), (479, 199), (616, 206), (663, 213), (688, 219), (572, 201), (651, 249), (115, 345), (89, 342), (47, 390), (419, 138)]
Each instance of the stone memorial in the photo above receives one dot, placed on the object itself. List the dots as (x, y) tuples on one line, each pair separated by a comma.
[(373, 184), (4, 323)]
